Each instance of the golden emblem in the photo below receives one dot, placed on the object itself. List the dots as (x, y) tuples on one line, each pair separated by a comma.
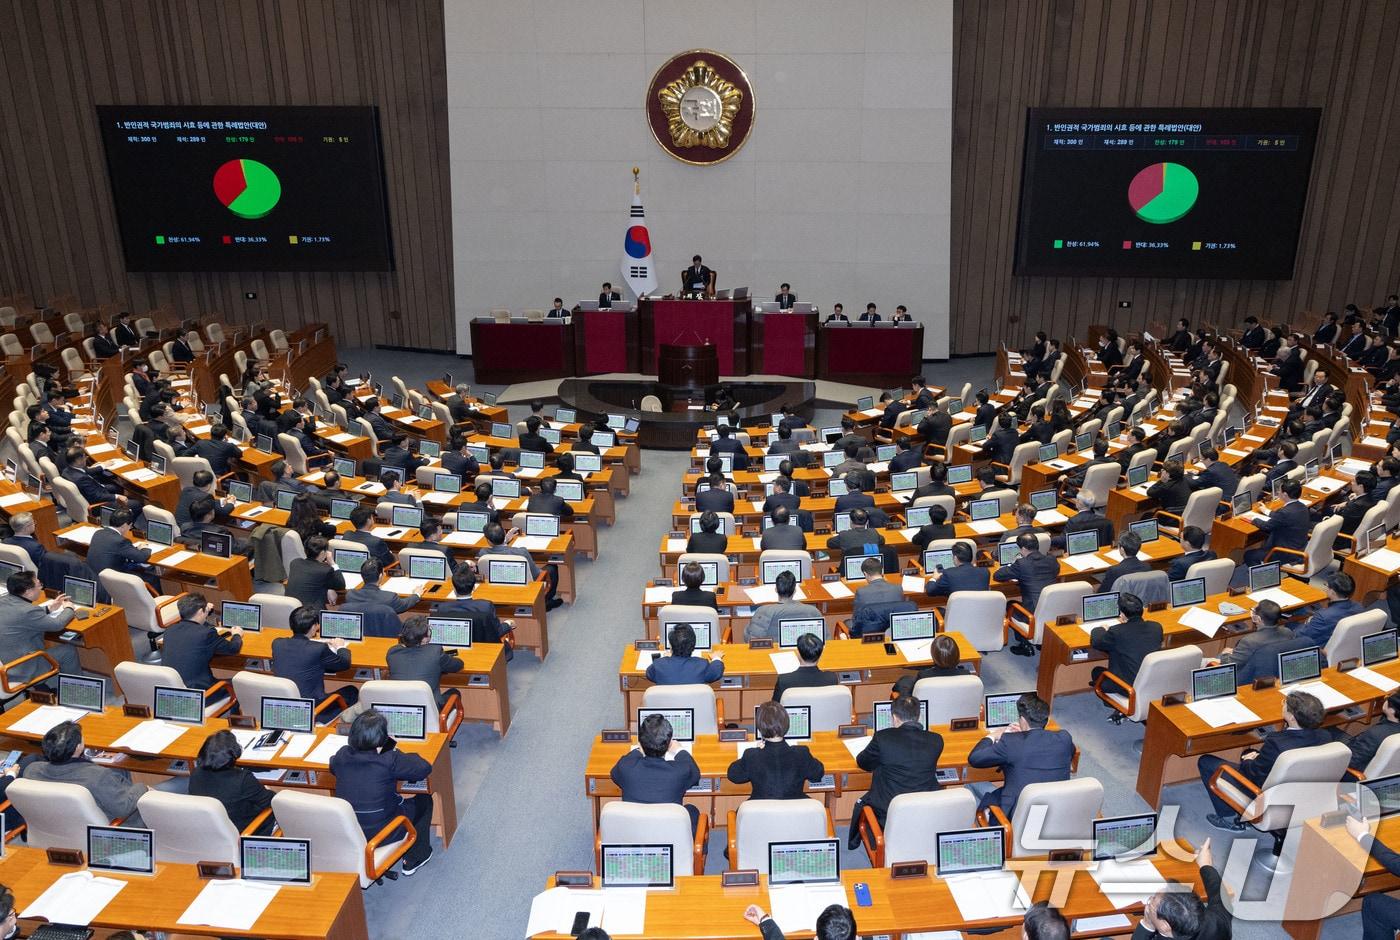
[(700, 107)]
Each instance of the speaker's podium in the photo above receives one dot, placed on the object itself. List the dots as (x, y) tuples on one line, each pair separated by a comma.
[(688, 366), (722, 324)]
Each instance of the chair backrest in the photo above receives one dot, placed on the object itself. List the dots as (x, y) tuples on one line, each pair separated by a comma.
[(72, 360), (1319, 547), (10, 345), (240, 359), (1253, 485), (337, 842), (950, 697), (914, 820), (215, 332), (1063, 439), (41, 333), (157, 359), (948, 503), (1006, 498), (277, 608), (686, 613), (66, 492), (1022, 455), (403, 692), (278, 338), (831, 705), (959, 434), (189, 829), (1099, 481), (129, 592), (291, 449), (699, 697), (1200, 508), (761, 822), (57, 814), (803, 558), (259, 350), (250, 688), (1162, 673), (1217, 573), (292, 547), (1060, 811), (194, 341), (980, 616), (1149, 586), (622, 823), (1058, 599), (161, 515), (1142, 458), (18, 556), (1386, 760), (651, 403), (138, 681), (721, 562), (185, 468), (1346, 637), (1374, 516), (1279, 807)]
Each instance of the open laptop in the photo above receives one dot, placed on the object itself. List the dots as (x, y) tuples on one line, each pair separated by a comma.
[(81, 591), (242, 614), (121, 849), (935, 558), (790, 629), (82, 692), (774, 567), (1099, 610), (851, 565), (1120, 838), (406, 722), (1386, 790), (349, 560), (287, 714), (965, 851), (1146, 530), (1137, 476), (509, 571), (1008, 551), (1188, 592), (1042, 500), (427, 567), (1213, 682), (282, 861), (1000, 708), (912, 625), (1265, 577), (1377, 648), (160, 533), (1302, 665), (405, 517), (980, 509), (704, 636), (177, 704), (817, 861), (962, 473), (880, 712), (799, 722), (542, 525), (682, 721), (342, 625), (637, 866)]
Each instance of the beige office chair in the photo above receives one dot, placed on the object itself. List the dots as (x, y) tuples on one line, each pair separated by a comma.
[(980, 616), (708, 709), (293, 453), (56, 815), (337, 842), (1316, 556), (146, 612), (278, 338), (1385, 762), (1023, 454), (622, 823), (445, 719), (721, 563), (190, 829), (831, 705), (1345, 642), (1161, 673), (1199, 512), (803, 558), (500, 314), (651, 403), (15, 555), (42, 335), (1055, 601), (672, 614), (1217, 573), (912, 825), (138, 682), (276, 608), (950, 697), (259, 350), (252, 687), (10, 345), (760, 822), (1056, 812)]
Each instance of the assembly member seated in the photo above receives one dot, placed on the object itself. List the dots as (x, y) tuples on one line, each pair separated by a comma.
[(660, 772), (807, 675), (306, 659), (775, 769), (1026, 753), (189, 645), (782, 534), (764, 622), (23, 624), (947, 661), (709, 540), (415, 658), (217, 774), (1365, 743), (370, 591), (486, 626), (313, 580), (368, 770), (681, 667), (1127, 643), (963, 576), (902, 758), (63, 762), (693, 594)]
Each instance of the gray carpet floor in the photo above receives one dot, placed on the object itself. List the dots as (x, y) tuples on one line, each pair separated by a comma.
[(523, 813)]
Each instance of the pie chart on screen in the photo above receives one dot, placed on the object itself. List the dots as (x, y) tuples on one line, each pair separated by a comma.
[(1163, 192), (247, 188)]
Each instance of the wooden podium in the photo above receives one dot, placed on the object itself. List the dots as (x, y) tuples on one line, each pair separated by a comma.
[(688, 366)]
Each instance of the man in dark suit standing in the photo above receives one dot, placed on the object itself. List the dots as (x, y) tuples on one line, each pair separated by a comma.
[(934, 426), (871, 314), (681, 667), (902, 758), (189, 645), (785, 297), (696, 278), (306, 659), (607, 296), (1254, 335), (1302, 716), (1193, 540), (1127, 643), (963, 576), (1026, 753), (1288, 526), (660, 772), (808, 674)]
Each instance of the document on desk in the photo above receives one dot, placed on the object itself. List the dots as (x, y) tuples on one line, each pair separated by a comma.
[(1086, 562), (1278, 595), (1371, 677), (1327, 485), (327, 748), (1203, 621), (467, 539), (553, 911), (838, 589), (1328, 696), (675, 545), (1093, 924), (76, 898), (528, 473), (1050, 517), (1130, 882), (797, 907), (41, 719), (856, 745), (142, 475), (342, 438), (175, 558), (624, 911), (1385, 559), (532, 543), (1060, 464), (987, 526), (231, 905), (437, 498), (82, 534), (14, 499), (150, 737), (915, 651), (784, 662), (762, 594), (297, 746), (644, 658), (659, 595), (1235, 452), (985, 895), (405, 586), (912, 584)]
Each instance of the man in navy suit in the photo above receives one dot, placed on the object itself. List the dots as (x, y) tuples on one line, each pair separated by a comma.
[(1286, 451), (111, 549), (362, 519), (1033, 571), (1356, 343), (1001, 443), (1254, 335), (907, 458), (661, 772), (1321, 624), (486, 626), (1315, 395), (963, 576), (606, 296), (785, 297), (1289, 367), (782, 496), (307, 660), (725, 444), (871, 315), (1328, 331), (1217, 473), (1288, 527), (681, 667), (782, 534), (838, 314), (902, 758), (697, 277), (716, 498), (1302, 714), (557, 312), (23, 527), (1193, 540), (1129, 543), (1026, 753)]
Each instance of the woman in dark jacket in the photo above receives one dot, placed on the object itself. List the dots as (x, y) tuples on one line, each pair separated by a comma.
[(775, 768), (367, 771), (217, 774), (305, 519)]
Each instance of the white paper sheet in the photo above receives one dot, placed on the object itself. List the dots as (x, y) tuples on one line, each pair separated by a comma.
[(856, 745), (175, 558), (342, 438), (405, 586), (986, 895), (797, 907), (1384, 558), (41, 719), (624, 911), (762, 594), (437, 498), (150, 737), (987, 526), (1085, 562), (1130, 882), (1219, 712), (658, 595), (675, 545), (1328, 696), (912, 584), (1326, 485), (326, 749), (1373, 678), (1106, 922), (838, 589), (82, 535), (1059, 463), (468, 539), (140, 476), (76, 898), (1277, 595), (553, 911), (784, 662), (1050, 517), (298, 745), (915, 650), (1235, 452), (231, 905), (14, 499), (644, 659), (1202, 620)]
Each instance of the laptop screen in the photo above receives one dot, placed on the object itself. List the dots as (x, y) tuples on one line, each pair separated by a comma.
[(1137, 476), (1213, 682), (121, 849), (1041, 500), (185, 705), (570, 491), (340, 624), (345, 466), (978, 433), (1378, 648), (264, 443), (542, 524), (772, 568), (1263, 577), (904, 481), (160, 533), (450, 631), (604, 439), (865, 403), (218, 544), (790, 629), (617, 422), (450, 483), (799, 722), (472, 520), (832, 457), (1000, 708), (1387, 793), (242, 614), (565, 415), (791, 863), (500, 429), (287, 714), (1124, 837), (82, 692), (349, 559), (980, 509), (507, 571), (969, 850), (407, 517), (1008, 551), (585, 462), (81, 591), (1084, 441), (637, 866), (936, 558), (771, 462), (1188, 592), (851, 565), (406, 722), (427, 448), (883, 719), (1241, 503), (917, 517), (1048, 452), (1146, 529), (281, 860), (704, 636), (1299, 665), (912, 625), (682, 721), (837, 488), (239, 491), (1100, 607), (284, 499), (960, 474), (885, 452), (427, 567), (532, 459)]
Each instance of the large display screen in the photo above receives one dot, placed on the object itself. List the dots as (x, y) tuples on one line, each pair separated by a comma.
[(1164, 192), (245, 188)]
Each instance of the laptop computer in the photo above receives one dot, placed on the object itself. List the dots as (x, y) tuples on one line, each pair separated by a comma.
[(1084, 542), (980, 509), (1099, 609), (507, 571), (1377, 648), (682, 721), (427, 567), (880, 712), (1213, 682), (287, 714), (964, 851), (790, 629), (342, 624), (277, 860), (406, 722), (817, 861), (82, 692), (704, 636), (1125, 837), (81, 591), (912, 625), (243, 614), (799, 722), (1302, 665), (1000, 708), (1188, 592), (637, 866), (177, 704), (455, 632), (121, 849), (771, 568), (1146, 530)]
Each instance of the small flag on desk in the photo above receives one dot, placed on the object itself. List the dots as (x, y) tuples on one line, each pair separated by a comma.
[(637, 269)]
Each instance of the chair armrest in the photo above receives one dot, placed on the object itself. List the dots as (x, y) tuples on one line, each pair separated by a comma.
[(1355, 774), (733, 836), (11, 833), (1107, 700), (28, 657), (830, 825), (872, 835), (398, 822), (1288, 551), (1244, 783), (719, 711), (258, 820), (450, 715), (1015, 625), (1171, 515), (222, 686), (840, 631), (993, 816), (997, 463), (727, 636), (701, 845), (332, 699), (598, 848), (940, 624)]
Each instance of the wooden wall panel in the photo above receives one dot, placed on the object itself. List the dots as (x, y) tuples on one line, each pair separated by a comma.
[(1009, 55), (57, 226)]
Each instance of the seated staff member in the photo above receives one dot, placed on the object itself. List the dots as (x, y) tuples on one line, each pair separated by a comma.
[(709, 540), (495, 535), (1127, 644), (784, 533), (874, 599), (486, 626), (775, 769), (1267, 630), (367, 772), (1033, 571), (902, 758), (764, 622), (838, 314), (660, 772), (1025, 751), (937, 528), (362, 522), (189, 645), (1193, 540), (546, 500), (217, 774), (22, 528), (1289, 526), (681, 667), (1364, 744), (313, 580), (1323, 622), (23, 624), (306, 659), (1129, 544), (1302, 717), (807, 675), (111, 549), (963, 576)]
